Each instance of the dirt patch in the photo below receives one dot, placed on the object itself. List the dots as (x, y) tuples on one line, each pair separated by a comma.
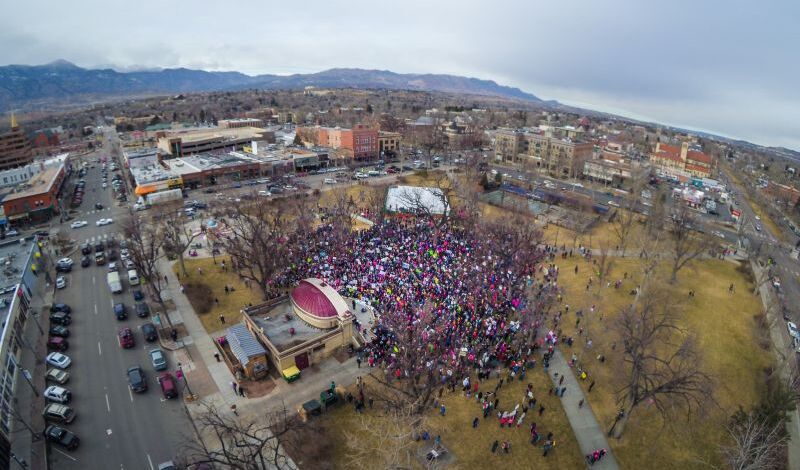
[(257, 388), (200, 296)]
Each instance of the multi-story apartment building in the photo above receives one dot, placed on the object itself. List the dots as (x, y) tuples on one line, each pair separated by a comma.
[(561, 157), (359, 143), (681, 162), (15, 148)]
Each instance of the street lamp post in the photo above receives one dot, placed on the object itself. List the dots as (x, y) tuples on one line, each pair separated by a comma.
[(185, 381)]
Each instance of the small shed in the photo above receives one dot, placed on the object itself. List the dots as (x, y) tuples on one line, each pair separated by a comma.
[(248, 351)]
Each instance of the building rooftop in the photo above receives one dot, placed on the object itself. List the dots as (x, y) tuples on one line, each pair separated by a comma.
[(236, 133), (40, 183), (14, 258), (243, 344), (284, 328)]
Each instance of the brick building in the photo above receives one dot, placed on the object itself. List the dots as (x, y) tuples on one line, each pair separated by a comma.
[(359, 143), (681, 162), (562, 157), (15, 148), (36, 200), (781, 192)]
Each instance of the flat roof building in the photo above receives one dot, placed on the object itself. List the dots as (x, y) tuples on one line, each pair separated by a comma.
[(37, 199), (188, 142)]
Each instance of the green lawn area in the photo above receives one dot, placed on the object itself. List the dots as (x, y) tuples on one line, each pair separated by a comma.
[(229, 304), (472, 447), (726, 333)]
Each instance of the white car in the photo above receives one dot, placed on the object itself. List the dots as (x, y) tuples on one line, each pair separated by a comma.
[(758, 227), (329, 181), (65, 261), (718, 234), (793, 331), (12, 232), (361, 176), (758, 218), (79, 224), (105, 185), (56, 359), (61, 282), (264, 193), (102, 222), (57, 394), (613, 203)]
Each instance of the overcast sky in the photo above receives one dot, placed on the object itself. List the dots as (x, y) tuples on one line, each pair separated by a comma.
[(731, 67)]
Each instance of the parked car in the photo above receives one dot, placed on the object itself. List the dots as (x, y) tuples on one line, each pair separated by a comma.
[(138, 295), (60, 318), (102, 222), (149, 331), (63, 267), (57, 375), (100, 258), (168, 387), (58, 330), (158, 359), (56, 359), (86, 249), (61, 307), (58, 413), (61, 282), (79, 224), (113, 267), (57, 343), (137, 380), (142, 310), (120, 311), (793, 331), (99, 246), (111, 255), (86, 262), (57, 394), (61, 437), (125, 338), (98, 206)]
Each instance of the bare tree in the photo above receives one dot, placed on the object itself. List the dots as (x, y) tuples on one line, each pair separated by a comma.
[(145, 243), (178, 237), (385, 439), (603, 266), (256, 443), (686, 244), (624, 218), (259, 243), (662, 365), (428, 203), (757, 444)]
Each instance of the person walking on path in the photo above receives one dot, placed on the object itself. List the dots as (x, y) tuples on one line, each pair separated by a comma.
[(233, 408), (241, 391), (580, 404), (591, 386), (221, 316), (442, 409), (475, 423), (233, 386), (216, 356), (494, 446), (358, 361)]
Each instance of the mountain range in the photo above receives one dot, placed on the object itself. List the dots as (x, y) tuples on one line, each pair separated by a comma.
[(61, 81)]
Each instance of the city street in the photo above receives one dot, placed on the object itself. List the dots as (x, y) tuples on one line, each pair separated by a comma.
[(118, 429)]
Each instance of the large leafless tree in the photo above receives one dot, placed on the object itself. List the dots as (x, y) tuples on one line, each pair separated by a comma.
[(146, 243), (259, 242), (685, 242), (662, 366), (178, 235), (755, 443), (256, 442)]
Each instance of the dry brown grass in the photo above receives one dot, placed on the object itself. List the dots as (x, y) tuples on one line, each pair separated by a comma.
[(472, 447), (215, 279), (726, 337)]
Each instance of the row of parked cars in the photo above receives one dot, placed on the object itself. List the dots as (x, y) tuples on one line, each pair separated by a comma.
[(57, 412)]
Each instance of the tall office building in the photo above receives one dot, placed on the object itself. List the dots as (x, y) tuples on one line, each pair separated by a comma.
[(15, 149)]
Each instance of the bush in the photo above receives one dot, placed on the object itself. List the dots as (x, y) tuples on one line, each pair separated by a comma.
[(200, 296)]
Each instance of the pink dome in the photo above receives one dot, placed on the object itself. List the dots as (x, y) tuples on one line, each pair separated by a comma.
[(311, 299)]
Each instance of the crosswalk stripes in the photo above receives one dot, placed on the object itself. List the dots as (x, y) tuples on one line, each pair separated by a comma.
[(103, 237)]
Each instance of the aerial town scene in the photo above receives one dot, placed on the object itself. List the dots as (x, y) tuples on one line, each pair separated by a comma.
[(436, 235)]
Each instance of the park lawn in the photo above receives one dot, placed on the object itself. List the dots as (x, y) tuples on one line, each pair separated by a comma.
[(472, 447), (213, 276), (727, 337)]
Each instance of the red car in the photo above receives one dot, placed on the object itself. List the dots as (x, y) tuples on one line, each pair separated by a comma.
[(168, 387), (125, 337)]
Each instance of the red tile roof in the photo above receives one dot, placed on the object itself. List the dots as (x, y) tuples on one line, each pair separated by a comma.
[(690, 167), (312, 300), (698, 157)]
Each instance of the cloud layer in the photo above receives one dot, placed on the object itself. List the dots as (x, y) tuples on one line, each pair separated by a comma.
[(724, 66)]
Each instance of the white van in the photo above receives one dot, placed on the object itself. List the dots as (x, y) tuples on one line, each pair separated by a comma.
[(133, 277)]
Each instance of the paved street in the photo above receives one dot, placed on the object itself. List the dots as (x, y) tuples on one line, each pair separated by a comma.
[(118, 429)]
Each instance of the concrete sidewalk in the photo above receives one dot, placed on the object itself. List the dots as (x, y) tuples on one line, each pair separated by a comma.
[(587, 430)]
